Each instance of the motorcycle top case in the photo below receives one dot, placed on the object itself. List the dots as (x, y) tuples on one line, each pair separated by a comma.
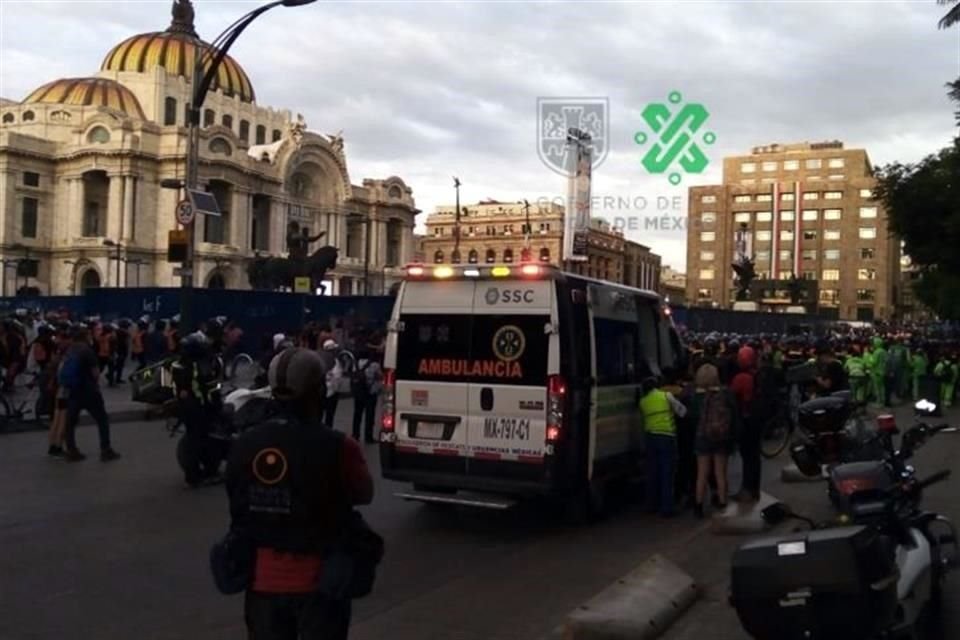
[(824, 414), (816, 585)]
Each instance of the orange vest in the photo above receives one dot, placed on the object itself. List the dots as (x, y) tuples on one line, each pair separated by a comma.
[(136, 341), (103, 345)]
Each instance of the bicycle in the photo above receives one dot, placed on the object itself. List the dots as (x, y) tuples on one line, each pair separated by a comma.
[(778, 430)]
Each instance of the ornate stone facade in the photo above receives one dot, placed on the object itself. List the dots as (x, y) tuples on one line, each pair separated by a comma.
[(81, 162)]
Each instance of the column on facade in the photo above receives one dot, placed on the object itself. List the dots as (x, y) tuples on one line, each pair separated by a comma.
[(129, 187), (241, 209), (278, 221), (111, 229)]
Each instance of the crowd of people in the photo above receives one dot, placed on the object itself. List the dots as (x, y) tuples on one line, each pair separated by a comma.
[(734, 386)]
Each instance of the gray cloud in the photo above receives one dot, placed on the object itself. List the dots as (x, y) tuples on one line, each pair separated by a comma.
[(429, 90)]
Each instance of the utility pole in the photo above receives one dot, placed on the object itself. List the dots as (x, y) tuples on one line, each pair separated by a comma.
[(455, 258)]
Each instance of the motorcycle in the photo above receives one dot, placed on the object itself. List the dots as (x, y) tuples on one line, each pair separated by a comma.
[(831, 431), (856, 582)]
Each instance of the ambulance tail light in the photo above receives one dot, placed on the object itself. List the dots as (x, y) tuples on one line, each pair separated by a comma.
[(556, 394), (387, 423)]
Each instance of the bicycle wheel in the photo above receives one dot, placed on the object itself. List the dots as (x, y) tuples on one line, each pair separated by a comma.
[(775, 436)]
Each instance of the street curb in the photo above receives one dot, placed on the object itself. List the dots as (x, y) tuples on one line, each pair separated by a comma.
[(640, 606)]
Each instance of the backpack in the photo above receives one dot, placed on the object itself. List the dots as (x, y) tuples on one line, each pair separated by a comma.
[(69, 376), (716, 417), (359, 385)]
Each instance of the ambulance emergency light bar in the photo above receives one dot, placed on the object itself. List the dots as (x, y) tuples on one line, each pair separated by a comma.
[(446, 272)]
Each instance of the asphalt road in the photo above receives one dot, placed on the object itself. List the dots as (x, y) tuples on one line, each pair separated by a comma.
[(120, 550)]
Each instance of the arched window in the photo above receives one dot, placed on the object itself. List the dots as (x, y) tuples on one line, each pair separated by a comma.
[(89, 280), (277, 135), (473, 256), (170, 111), (438, 256), (261, 134), (525, 255), (219, 145), (98, 135), (28, 116), (545, 254), (395, 192), (209, 118), (245, 131), (455, 256), (8, 118), (491, 256), (227, 121), (217, 281), (508, 255)]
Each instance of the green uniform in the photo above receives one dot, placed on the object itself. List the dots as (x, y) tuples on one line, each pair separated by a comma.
[(918, 370), (857, 373), (942, 373), (878, 370), (953, 372)]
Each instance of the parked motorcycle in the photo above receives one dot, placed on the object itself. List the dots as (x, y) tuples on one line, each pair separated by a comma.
[(831, 432)]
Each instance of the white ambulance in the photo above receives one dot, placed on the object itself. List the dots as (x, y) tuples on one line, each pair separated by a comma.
[(513, 381)]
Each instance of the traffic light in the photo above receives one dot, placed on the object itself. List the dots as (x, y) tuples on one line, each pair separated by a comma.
[(177, 246)]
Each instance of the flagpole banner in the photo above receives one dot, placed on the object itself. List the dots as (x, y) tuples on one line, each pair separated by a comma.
[(576, 238)]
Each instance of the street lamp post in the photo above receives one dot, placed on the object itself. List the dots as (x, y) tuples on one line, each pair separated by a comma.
[(202, 79), (117, 247), (455, 258)]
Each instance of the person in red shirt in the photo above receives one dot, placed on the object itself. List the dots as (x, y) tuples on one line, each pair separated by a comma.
[(292, 484), (742, 386)]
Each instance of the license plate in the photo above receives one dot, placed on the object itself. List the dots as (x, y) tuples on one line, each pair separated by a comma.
[(430, 430)]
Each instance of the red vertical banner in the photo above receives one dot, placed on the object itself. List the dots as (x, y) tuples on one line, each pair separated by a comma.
[(775, 234), (798, 216)]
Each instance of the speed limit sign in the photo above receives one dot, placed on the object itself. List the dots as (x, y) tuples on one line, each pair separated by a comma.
[(185, 212)]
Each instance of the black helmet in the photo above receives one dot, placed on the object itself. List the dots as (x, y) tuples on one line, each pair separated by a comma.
[(295, 373), (195, 345)]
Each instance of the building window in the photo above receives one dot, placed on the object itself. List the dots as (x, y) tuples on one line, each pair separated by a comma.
[(708, 217), (708, 236), (866, 274), (787, 216), (810, 214), (786, 197), (216, 228), (786, 254), (491, 256), (868, 233), (831, 254), (786, 235), (868, 212), (28, 221), (707, 256), (708, 199), (763, 236), (741, 216), (866, 193), (835, 163), (491, 231), (227, 121), (829, 296), (91, 220), (762, 256), (836, 176), (809, 275), (544, 254), (769, 166), (748, 167), (791, 165), (809, 254), (98, 135), (765, 197), (245, 131), (830, 274), (764, 216), (833, 195), (832, 214), (866, 295), (742, 198), (438, 256), (812, 163), (170, 111), (706, 274), (811, 195), (473, 257), (8, 118), (812, 178), (831, 234), (276, 135), (209, 118), (31, 179), (508, 255), (867, 253), (704, 294), (810, 234), (261, 135), (221, 146)]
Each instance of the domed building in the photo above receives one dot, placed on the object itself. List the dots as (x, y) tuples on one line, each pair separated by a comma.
[(82, 161)]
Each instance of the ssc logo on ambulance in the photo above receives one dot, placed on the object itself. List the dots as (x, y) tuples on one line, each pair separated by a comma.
[(270, 466), (509, 343)]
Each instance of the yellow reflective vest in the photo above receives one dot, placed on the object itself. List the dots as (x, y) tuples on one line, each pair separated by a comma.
[(658, 414)]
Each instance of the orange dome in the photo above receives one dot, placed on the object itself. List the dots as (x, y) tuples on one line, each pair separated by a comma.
[(175, 51), (89, 92)]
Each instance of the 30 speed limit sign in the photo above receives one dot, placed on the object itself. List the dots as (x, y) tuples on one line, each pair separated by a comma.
[(185, 212)]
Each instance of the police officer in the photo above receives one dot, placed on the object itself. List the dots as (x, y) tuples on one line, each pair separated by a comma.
[(659, 410), (194, 377), (292, 484)]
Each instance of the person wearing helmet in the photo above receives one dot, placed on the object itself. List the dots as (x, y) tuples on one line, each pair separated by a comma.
[(194, 379), (291, 485), (328, 354)]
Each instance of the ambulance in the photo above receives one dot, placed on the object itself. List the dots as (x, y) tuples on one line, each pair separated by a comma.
[(514, 381)]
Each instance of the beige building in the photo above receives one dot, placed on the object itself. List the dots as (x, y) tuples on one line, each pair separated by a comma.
[(493, 232), (81, 161), (673, 285), (806, 209)]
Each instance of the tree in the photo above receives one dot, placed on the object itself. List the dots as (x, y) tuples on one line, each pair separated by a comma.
[(952, 16)]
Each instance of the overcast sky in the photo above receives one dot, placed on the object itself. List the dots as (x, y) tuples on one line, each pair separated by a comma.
[(427, 90)]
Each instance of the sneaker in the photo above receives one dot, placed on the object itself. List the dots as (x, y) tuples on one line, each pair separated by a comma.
[(109, 455), (74, 456), (55, 452)]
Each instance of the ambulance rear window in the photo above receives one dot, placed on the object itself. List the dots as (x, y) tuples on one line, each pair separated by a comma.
[(488, 349)]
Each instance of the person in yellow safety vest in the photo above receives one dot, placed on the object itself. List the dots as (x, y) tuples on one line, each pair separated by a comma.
[(657, 409)]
